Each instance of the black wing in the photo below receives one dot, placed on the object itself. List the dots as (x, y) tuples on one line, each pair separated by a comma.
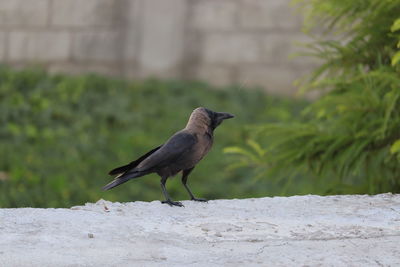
[(133, 164), (175, 147)]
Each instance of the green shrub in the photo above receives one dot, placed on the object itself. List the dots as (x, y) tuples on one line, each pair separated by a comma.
[(60, 135), (348, 141)]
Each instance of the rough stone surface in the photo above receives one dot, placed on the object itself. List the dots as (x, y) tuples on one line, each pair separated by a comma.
[(39, 46), (19, 12), (218, 75), (308, 230), (84, 13), (276, 49), (231, 48), (214, 15), (161, 43), (3, 44), (132, 34), (97, 46), (276, 78), (272, 14)]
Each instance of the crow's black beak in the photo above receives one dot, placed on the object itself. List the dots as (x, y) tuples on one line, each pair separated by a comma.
[(225, 116)]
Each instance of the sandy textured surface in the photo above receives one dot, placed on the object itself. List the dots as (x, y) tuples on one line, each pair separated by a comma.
[(293, 231)]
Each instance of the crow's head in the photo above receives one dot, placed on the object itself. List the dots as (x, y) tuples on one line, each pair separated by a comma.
[(216, 118), (208, 118)]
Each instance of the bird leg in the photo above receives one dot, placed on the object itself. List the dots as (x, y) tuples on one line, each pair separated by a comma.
[(166, 195), (185, 175)]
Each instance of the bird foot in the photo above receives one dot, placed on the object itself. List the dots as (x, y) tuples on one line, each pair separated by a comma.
[(200, 199), (172, 203)]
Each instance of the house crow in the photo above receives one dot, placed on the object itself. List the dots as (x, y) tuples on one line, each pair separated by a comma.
[(180, 153)]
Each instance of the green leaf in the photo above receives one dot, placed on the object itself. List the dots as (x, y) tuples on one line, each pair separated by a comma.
[(396, 58), (395, 25), (395, 148), (253, 144), (240, 151)]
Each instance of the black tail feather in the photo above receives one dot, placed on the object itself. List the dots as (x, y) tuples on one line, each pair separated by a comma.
[(115, 183), (121, 169), (123, 179), (133, 164)]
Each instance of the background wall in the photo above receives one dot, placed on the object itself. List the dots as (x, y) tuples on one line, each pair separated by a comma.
[(247, 42)]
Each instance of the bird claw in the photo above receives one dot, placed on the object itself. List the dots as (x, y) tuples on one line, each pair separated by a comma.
[(172, 203), (200, 199)]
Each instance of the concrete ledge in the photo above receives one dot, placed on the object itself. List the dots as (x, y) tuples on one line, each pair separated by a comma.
[(294, 231)]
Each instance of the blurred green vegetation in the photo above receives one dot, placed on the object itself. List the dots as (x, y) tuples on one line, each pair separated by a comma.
[(348, 141), (60, 135)]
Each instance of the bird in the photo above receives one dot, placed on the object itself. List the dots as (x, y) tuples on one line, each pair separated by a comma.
[(180, 153)]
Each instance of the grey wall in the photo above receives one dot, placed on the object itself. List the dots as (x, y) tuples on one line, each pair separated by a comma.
[(247, 42)]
